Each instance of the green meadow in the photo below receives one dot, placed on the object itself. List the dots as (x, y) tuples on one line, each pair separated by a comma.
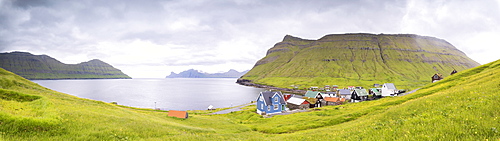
[(463, 106)]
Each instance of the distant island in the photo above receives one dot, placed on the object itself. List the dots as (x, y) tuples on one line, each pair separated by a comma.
[(35, 67), (192, 73)]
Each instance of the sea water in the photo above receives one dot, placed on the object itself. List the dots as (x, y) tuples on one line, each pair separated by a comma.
[(165, 94)]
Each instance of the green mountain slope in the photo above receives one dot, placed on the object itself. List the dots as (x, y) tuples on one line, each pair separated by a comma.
[(463, 106), (32, 66), (358, 59)]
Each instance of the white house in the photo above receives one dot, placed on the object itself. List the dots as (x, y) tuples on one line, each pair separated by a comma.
[(297, 103), (388, 89)]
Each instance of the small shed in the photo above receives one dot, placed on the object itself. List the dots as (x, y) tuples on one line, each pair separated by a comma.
[(297, 103), (453, 72), (211, 107), (341, 101), (178, 114)]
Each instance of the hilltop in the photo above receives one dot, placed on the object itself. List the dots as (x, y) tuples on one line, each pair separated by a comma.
[(463, 106), (32, 66), (357, 59), (191, 73)]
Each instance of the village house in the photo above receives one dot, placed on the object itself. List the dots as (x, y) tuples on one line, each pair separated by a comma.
[(297, 103), (344, 93), (313, 94), (436, 77), (330, 94), (334, 101), (269, 102), (314, 88), (359, 95), (327, 88), (375, 93), (350, 87), (317, 95), (388, 89)]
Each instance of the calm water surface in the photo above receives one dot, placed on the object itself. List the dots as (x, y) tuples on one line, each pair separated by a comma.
[(169, 94)]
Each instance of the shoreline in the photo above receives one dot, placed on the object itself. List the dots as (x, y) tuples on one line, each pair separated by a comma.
[(73, 78), (247, 82)]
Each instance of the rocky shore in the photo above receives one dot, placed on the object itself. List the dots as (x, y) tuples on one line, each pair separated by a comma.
[(247, 82)]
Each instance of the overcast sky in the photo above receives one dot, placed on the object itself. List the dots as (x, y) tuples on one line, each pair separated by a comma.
[(150, 38)]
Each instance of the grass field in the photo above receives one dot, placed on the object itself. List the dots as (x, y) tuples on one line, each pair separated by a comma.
[(463, 106)]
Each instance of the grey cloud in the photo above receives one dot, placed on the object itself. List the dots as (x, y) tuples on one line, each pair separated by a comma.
[(200, 27), (30, 3)]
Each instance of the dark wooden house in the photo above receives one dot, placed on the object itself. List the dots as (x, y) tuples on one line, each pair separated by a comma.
[(453, 72), (359, 94), (436, 77)]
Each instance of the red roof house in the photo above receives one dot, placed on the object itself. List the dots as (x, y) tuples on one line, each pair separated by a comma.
[(178, 114)]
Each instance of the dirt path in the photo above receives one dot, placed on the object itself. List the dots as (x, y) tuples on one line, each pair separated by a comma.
[(232, 109), (409, 92)]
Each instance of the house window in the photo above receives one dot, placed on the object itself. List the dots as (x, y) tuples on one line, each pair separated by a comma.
[(275, 99), (268, 108), (262, 106), (275, 107)]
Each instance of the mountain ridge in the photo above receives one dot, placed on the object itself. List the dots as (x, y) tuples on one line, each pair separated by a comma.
[(192, 73), (33, 67)]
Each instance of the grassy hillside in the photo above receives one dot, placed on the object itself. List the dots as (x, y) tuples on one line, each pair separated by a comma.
[(32, 66), (358, 59), (463, 106)]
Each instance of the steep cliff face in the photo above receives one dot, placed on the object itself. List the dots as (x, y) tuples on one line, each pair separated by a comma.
[(358, 59), (32, 66)]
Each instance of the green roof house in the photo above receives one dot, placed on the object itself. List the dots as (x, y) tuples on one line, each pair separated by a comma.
[(375, 93), (313, 94), (359, 94)]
